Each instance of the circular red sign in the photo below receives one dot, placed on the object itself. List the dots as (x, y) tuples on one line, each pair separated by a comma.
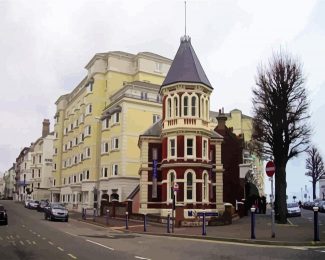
[(270, 168)]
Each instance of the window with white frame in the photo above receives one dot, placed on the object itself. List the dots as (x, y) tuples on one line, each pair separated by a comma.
[(189, 186), (116, 118), (81, 137), (172, 150), (155, 118), (87, 131), (55, 150), (114, 169), (80, 176), (171, 178), (169, 108), (190, 147), (75, 160), (74, 178), (105, 147), (193, 105), (90, 87), (105, 172), (71, 127), (176, 106), (87, 174), (115, 143), (76, 123), (89, 109), (205, 149), (65, 130), (81, 118), (158, 67), (70, 144), (185, 106), (54, 166), (76, 141), (105, 123), (205, 186)]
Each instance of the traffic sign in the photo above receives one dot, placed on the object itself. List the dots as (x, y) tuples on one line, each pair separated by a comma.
[(270, 168), (175, 187)]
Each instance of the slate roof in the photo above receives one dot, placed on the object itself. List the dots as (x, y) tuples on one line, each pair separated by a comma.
[(154, 130), (186, 66)]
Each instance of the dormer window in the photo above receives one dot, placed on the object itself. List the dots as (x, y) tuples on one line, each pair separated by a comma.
[(193, 104), (176, 106), (185, 111), (169, 108)]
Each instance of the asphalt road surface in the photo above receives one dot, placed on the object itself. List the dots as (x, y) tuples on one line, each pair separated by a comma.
[(30, 236)]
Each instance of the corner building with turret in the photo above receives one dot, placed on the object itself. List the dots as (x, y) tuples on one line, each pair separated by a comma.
[(181, 152)]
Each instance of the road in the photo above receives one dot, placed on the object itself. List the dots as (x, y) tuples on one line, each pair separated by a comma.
[(29, 236)]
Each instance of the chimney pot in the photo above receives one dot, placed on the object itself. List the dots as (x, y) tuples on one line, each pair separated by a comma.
[(46, 127)]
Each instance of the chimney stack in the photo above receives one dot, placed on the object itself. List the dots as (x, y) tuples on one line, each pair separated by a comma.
[(46, 127), (221, 120)]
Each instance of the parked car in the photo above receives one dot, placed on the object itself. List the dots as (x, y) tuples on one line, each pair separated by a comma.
[(321, 206), (42, 205), (56, 211), (293, 210), (33, 204), (3, 215)]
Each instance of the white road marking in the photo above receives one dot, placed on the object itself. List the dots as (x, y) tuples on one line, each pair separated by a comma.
[(21, 242), (70, 234), (30, 230), (8, 237), (61, 249), (51, 243), (110, 248), (17, 236), (28, 242), (144, 258), (72, 256), (34, 242), (44, 238), (1, 238), (39, 235), (12, 237), (23, 225), (34, 233), (13, 242)]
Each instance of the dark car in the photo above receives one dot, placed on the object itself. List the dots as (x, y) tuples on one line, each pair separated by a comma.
[(42, 205), (56, 211), (3, 216)]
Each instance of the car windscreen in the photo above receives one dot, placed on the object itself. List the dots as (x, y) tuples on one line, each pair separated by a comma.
[(292, 205), (58, 207)]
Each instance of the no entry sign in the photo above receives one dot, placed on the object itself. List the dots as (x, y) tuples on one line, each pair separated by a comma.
[(270, 168)]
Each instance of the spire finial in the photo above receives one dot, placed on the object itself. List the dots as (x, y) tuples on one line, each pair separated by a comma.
[(185, 17)]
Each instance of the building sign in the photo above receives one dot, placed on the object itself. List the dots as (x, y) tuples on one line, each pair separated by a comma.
[(154, 179)]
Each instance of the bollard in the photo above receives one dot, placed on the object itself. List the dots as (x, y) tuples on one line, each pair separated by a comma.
[(144, 222), (107, 216), (94, 215), (204, 231), (168, 223), (253, 223), (126, 220), (316, 225)]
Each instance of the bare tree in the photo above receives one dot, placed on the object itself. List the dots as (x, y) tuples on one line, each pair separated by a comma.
[(315, 167), (280, 123)]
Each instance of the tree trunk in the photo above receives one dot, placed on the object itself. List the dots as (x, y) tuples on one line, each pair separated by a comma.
[(314, 189), (280, 192)]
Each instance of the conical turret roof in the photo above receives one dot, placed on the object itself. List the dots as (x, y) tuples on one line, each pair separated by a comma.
[(186, 66)]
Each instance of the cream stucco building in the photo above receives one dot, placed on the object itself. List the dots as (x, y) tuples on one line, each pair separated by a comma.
[(97, 125)]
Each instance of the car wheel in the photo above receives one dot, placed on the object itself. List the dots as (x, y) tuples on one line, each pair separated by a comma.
[(66, 220), (6, 222)]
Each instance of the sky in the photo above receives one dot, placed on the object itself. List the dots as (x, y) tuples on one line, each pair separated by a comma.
[(45, 45)]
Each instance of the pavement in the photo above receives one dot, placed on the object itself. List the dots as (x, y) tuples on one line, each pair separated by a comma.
[(298, 232)]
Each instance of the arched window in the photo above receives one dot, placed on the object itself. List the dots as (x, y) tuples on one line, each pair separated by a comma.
[(169, 108), (175, 106), (207, 109), (202, 108), (193, 106), (185, 104), (205, 188), (190, 186), (171, 178)]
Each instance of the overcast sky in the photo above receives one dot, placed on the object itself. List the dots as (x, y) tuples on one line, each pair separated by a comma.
[(44, 46)]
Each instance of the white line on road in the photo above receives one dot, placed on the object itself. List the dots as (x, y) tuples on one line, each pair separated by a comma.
[(34, 233), (72, 256), (12, 237), (17, 236), (28, 242), (23, 225), (139, 257), (8, 237), (34, 242), (110, 248), (21, 242), (13, 242), (61, 249), (39, 235), (70, 234), (44, 238), (51, 243)]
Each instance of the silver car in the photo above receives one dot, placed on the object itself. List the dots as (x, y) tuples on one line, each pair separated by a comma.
[(56, 211)]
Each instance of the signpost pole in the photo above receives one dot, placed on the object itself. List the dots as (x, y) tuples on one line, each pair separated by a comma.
[(272, 208), (173, 211)]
